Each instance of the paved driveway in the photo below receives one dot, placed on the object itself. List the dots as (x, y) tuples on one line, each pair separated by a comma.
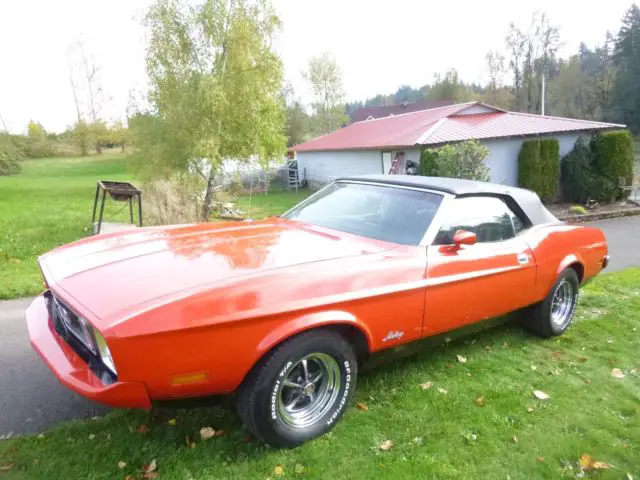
[(31, 399)]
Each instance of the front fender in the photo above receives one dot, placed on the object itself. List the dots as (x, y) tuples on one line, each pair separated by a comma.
[(312, 320)]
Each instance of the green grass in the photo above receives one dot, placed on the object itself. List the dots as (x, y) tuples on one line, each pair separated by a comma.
[(50, 204), (260, 205), (435, 435), (47, 205)]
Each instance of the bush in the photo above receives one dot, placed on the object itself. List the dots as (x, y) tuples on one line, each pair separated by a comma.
[(462, 160), (550, 167), (539, 167), (10, 156), (612, 160), (170, 201), (428, 163), (577, 174), (577, 209)]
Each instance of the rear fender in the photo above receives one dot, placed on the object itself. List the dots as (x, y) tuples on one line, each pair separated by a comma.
[(567, 261)]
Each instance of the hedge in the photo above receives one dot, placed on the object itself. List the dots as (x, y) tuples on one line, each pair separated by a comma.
[(613, 159), (428, 163), (539, 167)]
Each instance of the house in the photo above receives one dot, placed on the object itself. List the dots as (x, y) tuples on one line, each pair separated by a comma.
[(369, 113), (369, 146)]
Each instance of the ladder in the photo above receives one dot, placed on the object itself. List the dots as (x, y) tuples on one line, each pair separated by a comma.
[(395, 165)]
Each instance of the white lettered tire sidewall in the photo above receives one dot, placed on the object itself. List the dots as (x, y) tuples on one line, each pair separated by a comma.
[(348, 370), (258, 398)]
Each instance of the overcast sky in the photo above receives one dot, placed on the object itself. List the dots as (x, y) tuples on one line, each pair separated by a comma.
[(378, 44)]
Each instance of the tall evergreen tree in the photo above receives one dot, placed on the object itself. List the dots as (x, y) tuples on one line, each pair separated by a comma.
[(627, 58)]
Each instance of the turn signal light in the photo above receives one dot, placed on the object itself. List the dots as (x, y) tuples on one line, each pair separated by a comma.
[(186, 378)]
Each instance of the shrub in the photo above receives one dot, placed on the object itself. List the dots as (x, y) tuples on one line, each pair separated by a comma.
[(170, 201), (550, 168), (577, 209), (612, 160), (462, 160), (577, 174), (428, 163), (539, 167), (528, 166), (10, 156)]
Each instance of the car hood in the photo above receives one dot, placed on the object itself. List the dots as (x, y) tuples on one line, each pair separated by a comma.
[(110, 275)]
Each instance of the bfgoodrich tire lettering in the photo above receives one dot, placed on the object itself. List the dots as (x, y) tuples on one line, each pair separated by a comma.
[(300, 389)]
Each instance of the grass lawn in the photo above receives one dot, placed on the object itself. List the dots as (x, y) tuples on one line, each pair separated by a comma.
[(441, 432), (47, 205), (260, 205), (50, 204)]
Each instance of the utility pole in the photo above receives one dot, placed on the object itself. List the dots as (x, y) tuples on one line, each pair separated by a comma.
[(542, 100), (4, 125)]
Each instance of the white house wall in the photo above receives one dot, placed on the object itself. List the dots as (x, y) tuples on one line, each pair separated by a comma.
[(322, 167), (503, 159)]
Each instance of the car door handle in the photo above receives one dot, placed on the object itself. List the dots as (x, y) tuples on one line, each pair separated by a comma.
[(523, 258)]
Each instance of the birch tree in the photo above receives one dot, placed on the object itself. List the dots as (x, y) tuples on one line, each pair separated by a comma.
[(215, 85)]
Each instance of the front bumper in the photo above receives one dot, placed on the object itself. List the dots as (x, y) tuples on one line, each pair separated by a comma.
[(72, 370)]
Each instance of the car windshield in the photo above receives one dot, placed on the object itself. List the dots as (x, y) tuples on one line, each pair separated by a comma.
[(380, 212)]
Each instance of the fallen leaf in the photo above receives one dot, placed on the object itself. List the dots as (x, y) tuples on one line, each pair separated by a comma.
[(461, 359), (91, 436), (6, 468), (206, 433), (601, 465), (617, 373), (514, 439), (190, 443), (629, 476), (151, 467), (531, 409), (426, 385), (151, 475), (129, 477), (122, 464), (219, 433), (587, 463), (142, 428), (279, 470), (442, 390), (534, 368), (540, 395), (582, 359), (418, 440), (386, 445), (299, 468), (362, 406), (172, 422), (472, 437), (539, 459), (480, 401)]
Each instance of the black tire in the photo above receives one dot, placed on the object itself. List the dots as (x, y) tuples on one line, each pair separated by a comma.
[(261, 398), (539, 319)]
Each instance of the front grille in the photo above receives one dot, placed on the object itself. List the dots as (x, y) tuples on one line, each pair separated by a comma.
[(65, 323)]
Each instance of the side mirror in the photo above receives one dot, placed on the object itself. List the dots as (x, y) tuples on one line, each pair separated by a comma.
[(464, 237)]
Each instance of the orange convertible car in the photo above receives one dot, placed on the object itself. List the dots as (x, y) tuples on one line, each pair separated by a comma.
[(284, 312)]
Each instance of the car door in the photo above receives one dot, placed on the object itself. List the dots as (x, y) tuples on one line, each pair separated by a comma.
[(477, 282)]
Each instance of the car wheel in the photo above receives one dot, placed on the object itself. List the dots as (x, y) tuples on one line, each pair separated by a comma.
[(300, 389), (554, 314)]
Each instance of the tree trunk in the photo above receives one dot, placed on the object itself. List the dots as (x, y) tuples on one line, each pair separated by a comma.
[(122, 147), (208, 196), (98, 148)]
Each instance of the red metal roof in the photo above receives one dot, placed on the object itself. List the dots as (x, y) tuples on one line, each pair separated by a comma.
[(396, 131), (443, 125), (384, 111)]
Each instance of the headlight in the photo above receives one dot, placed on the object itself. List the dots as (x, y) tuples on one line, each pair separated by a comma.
[(105, 353), (75, 324)]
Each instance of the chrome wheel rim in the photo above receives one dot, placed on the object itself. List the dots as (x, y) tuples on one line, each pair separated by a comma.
[(309, 390), (562, 304)]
